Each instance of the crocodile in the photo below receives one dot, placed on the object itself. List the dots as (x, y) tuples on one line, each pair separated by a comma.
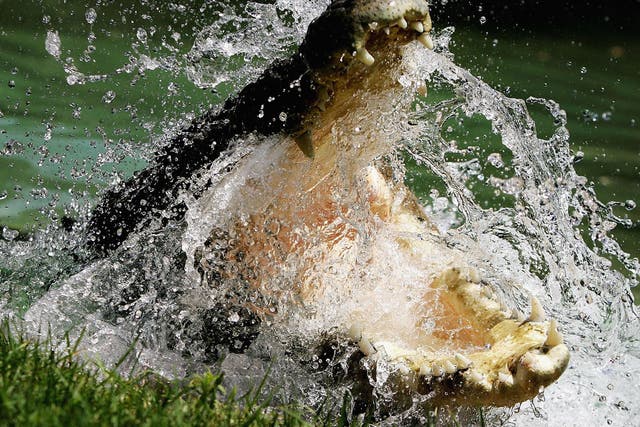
[(317, 209)]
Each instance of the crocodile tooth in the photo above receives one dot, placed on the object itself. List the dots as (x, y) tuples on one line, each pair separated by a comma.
[(417, 26), (505, 310), (554, 337), (305, 143), (355, 331), (475, 377), (387, 30), (462, 361), (402, 23), (449, 367), (426, 40), (364, 56), (537, 312), (422, 89), (427, 23), (425, 370), (474, 276), (366, 347), (505, 378), (437, 370)]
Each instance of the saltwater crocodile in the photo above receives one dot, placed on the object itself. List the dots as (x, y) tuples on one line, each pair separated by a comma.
[(316, 208)]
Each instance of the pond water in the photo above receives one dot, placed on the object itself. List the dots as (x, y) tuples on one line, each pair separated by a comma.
[(89, 92)]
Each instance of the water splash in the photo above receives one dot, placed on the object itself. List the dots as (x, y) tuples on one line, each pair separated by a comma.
[(549, 238)]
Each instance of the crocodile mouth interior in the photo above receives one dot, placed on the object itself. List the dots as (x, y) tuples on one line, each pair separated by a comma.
[(317, 208)]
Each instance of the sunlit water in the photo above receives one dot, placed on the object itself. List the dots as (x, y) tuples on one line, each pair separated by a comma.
[(548, 238)]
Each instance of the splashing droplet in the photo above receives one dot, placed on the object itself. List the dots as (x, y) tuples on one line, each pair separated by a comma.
[(9, 234), (52, 44), (108, 97), (142, 35), (90, 15)]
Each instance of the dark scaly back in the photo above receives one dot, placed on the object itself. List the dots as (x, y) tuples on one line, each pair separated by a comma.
[(128, 207), (288, 86)]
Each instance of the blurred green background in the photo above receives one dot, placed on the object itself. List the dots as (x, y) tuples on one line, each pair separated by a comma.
[(53, 133)]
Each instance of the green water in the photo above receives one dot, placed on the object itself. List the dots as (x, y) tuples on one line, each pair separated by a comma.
[(64, 129)]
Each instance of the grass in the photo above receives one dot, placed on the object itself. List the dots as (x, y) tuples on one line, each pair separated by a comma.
[(43, 387), (39, 386)]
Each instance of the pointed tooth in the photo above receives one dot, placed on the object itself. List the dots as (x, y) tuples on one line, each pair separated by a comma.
[(305, 143), (537, 312), (426, 40), (474, 276), (505, 378), (428, 25), (402, 23), (403, 369), (505, 309), (487, 292), (364, 56), (554, 337), (449, 367), (387, 30), (462, 361), (366, 347), (475, 376), (470, 275), (355, 331), (425, 370), (422, 90), (417, 26), (437, 370)]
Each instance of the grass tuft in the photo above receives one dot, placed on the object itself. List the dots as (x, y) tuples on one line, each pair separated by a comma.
[(39, 386)]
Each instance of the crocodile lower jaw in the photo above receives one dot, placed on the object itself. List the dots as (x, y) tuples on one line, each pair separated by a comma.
[(505, 360)]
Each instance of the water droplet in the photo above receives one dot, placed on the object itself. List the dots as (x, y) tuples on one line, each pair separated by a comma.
[(90, 15), (606, 116), (72, 79), (590, 116), (9, 234), (495, 159), (47, 132), (583, 70), (46, 19), (629, 205), (3, 195), (108, 97), (142, 35), (14, 70), (52, 44), (283, 116), (12, 84), (483, 20)]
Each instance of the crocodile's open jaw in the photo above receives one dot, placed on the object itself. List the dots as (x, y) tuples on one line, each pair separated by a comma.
[(320, 211)]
